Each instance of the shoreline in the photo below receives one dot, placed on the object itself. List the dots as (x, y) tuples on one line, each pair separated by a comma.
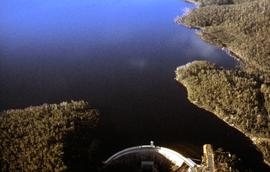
[(223, 47), (192, 2), (260, 141), (199, 96)]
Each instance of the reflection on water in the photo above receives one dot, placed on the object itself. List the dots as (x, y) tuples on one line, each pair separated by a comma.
[(120, 55)]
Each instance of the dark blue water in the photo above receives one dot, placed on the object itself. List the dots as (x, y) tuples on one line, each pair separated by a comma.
[(120, 56), (108, 52)]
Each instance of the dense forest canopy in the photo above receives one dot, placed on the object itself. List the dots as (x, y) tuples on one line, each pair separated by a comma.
[(239, 97), (41, 138), (241, 28)]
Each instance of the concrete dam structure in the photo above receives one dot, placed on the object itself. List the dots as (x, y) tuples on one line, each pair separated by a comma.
[(178, 161)]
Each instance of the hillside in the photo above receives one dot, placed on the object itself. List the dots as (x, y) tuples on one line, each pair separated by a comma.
[(242, 27), (233, 96), (47, 137), (239, 97)]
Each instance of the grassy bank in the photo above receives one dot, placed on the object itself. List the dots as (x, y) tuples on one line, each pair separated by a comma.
[(47, 137)]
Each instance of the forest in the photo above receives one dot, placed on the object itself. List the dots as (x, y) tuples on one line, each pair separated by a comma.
[(242, 27), (50, 137), (239, 96), (233, 96)]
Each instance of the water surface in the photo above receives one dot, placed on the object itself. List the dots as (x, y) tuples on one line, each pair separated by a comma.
[(108, 52)]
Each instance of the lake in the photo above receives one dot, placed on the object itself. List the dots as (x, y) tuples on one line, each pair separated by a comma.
[(120, 56)]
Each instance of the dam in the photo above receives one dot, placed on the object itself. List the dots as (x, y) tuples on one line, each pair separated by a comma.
[(177, 161)]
